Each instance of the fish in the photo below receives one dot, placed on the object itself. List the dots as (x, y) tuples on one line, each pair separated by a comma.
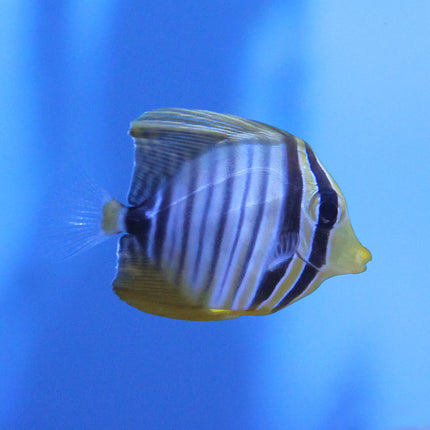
[(226, 217)]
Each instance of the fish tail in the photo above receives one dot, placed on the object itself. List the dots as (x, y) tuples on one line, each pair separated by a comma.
[(113, 219), (79, 215)]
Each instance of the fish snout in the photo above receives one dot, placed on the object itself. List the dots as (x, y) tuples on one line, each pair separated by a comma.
[(347, 255), (362, 257)]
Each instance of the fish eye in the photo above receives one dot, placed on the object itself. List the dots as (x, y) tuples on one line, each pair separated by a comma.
[(328, 209), (324, 209), (328, 213)]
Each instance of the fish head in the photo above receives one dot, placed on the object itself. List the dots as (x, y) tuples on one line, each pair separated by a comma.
[(327, 233)]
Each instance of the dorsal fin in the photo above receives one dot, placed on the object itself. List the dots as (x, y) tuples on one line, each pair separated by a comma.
[(167, 138)]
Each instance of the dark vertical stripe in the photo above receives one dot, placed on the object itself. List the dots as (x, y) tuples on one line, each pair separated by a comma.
[(294, 189), (188, 212), (138, 224), (318, 253), (268, 284), (241, 213), (306, 277), (327, 196), (251, 244), (161, 219), (204, 216), (228, 191), (290, 224)]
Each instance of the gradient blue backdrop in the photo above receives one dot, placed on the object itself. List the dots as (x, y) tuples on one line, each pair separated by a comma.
[(351, 78)]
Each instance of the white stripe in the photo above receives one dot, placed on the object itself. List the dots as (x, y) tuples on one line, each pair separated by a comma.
[(152, 215), (269, 223), (240, 173), (198, 213), (211, 213)]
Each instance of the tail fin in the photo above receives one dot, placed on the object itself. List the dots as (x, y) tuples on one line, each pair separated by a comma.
[(79, 215)]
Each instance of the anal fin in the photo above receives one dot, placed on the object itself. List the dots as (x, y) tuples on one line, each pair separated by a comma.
[(142, 285)]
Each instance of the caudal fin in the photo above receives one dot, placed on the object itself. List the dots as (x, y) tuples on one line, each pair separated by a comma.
[(79, 214)]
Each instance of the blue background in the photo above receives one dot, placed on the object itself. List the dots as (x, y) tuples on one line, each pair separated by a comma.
[(351, 78)]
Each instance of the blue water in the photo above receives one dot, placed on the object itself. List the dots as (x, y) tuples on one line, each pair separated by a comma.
[(351, 78)]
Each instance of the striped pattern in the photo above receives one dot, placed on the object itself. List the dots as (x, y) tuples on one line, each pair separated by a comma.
[(215, 229), (235, 215), (216, 219), (308, 279)]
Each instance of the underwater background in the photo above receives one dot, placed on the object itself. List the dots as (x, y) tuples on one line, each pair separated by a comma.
[(350, 78)]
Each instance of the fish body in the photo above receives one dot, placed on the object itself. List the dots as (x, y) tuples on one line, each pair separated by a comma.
[(227, 217)]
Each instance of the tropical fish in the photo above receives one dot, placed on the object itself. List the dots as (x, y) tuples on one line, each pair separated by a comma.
[(227, 217)]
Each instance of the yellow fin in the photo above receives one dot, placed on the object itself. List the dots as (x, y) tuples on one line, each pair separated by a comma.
[(141, 285)]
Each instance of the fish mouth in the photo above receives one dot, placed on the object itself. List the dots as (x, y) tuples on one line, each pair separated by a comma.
[(308, 262)]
